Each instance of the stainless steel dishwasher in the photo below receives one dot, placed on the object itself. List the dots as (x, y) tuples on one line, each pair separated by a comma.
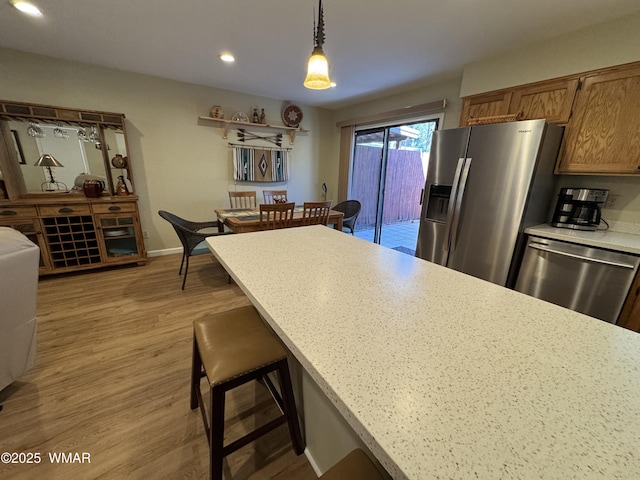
[(590, 280)]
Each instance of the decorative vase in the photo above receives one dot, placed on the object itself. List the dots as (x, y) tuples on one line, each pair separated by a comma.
[(263, 118), (93, 188), (121, 187), (216, 112)]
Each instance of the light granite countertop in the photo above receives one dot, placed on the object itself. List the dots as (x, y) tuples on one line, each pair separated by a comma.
[(619, 241), (443, 375)]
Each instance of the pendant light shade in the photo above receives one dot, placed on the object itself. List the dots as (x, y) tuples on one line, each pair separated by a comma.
[(318, 67), (317, 71)]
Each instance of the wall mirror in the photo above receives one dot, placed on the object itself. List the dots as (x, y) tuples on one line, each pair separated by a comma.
[(88, 145)]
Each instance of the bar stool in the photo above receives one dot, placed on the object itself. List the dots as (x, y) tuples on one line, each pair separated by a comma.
[(355, 466), (231, 349)]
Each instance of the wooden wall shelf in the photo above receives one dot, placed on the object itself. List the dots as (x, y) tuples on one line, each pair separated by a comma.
[(226, 124)]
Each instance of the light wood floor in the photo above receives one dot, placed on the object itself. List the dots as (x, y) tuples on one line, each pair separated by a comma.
[(112, 379)]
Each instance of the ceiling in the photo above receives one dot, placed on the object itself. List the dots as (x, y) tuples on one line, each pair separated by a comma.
[(374, 49)]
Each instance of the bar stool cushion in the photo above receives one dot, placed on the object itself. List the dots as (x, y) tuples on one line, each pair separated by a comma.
[(355, 466), (222, 357)]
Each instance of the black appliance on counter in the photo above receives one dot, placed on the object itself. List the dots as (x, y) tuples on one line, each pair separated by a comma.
[(579, 208)]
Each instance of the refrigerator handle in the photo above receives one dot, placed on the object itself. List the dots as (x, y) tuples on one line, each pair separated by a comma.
[(458, 204), (452, 201)]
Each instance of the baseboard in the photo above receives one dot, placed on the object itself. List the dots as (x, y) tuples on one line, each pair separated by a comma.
[(166, 251), (313, 463), (172, 251)]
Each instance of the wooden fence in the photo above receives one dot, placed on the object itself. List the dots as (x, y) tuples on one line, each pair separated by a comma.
[(404, 183)]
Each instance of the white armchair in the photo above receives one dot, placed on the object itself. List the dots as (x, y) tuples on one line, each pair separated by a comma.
[(19, 259)]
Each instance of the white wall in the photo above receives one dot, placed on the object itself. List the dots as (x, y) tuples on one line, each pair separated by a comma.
[(600, 46), (180, 163)]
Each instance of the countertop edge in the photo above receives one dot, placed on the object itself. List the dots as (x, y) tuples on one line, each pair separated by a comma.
[(617, 241)]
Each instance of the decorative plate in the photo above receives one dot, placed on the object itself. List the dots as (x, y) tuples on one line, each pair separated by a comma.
[(240, 117), (292, 115), (115, 232), (119, 161)]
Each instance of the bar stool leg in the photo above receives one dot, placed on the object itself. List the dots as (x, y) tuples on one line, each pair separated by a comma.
[(196, 369), (288, 399), (216, 446)]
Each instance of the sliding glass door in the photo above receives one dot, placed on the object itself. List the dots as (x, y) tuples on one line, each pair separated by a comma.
[(388, 174)]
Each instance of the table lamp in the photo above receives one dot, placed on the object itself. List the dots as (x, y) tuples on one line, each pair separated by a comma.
[(47, 161)]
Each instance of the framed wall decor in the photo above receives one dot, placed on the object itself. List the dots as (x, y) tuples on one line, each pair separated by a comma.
[(18, 146)]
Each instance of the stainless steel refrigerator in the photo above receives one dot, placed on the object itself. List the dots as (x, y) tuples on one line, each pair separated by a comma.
[(485, 185)]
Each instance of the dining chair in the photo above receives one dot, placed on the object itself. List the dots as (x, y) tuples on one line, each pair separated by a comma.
[(350, 209), (190, 235), (316, 213), (243, 199), (276, 215), (275, 196)]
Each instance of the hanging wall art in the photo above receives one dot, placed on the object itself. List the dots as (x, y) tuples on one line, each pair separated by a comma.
[(258, 164)]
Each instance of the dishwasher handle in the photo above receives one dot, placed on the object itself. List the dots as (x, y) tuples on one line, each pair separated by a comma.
[(545, 248)]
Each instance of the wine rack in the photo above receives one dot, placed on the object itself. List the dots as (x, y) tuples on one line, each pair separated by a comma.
[(72, 241)]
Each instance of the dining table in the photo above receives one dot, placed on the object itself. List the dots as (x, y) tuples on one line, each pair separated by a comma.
[(243, 220), (439, 374)]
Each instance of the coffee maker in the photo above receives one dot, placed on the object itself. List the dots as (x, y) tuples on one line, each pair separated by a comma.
[(579, 208)]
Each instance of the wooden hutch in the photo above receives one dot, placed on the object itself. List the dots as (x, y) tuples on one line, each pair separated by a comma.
[(74, 231)]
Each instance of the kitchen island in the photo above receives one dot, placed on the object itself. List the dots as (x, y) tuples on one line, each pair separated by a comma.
[(440, 374)]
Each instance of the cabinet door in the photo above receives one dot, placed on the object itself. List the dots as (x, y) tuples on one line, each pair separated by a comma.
[(603, 136), (120, 238), (489, 105), (30, 228), (552, 101), (630, 314)]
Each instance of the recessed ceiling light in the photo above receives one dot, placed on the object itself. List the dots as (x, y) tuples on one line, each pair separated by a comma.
[(227, 57), (28, 8)]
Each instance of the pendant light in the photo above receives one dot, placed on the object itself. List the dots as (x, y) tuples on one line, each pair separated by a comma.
[(318, 67)]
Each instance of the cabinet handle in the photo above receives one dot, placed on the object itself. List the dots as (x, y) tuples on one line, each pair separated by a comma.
[(65, 210), (8, 212), (115, 208)]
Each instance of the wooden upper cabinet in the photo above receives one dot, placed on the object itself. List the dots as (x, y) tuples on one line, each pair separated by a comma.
[(484, 105), (550, 100), (603, 136)]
